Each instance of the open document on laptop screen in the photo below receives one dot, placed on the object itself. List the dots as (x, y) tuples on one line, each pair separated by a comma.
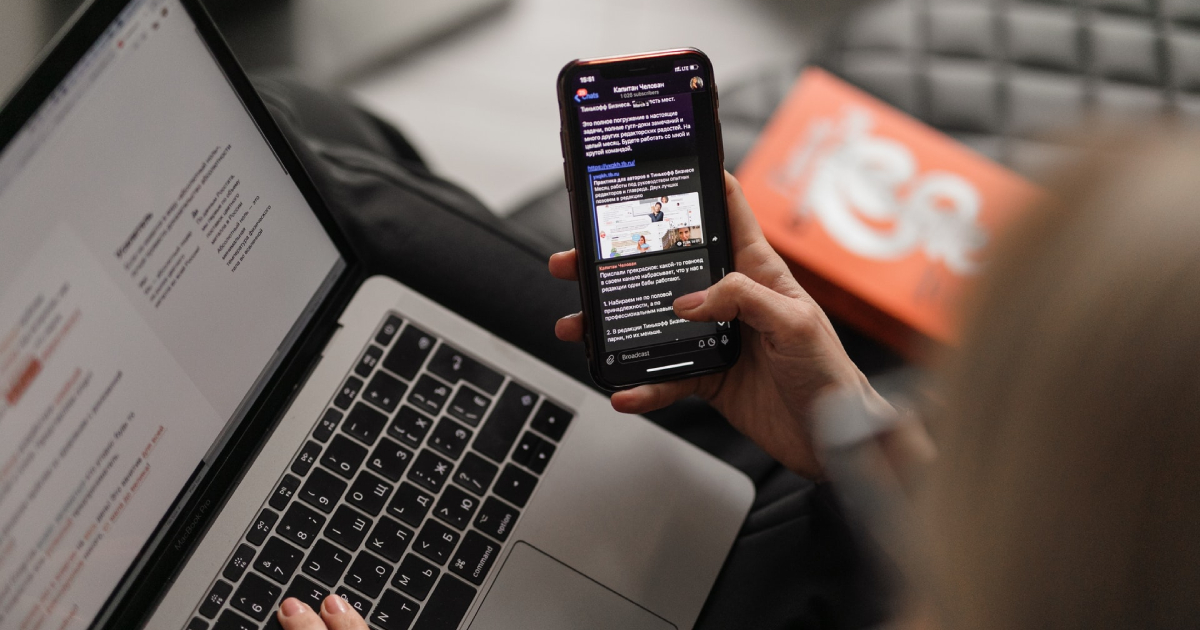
[(154, 258)]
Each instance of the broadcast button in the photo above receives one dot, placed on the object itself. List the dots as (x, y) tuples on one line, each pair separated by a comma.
[(636, 355), (673, 348)]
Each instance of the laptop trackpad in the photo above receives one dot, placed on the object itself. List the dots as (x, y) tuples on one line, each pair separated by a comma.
[(537, 592)]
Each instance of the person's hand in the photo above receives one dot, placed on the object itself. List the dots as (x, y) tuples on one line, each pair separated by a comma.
[(336, 614), (790, 352)]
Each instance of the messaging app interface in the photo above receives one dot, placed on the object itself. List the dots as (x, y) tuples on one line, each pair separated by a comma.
[(643, 182)]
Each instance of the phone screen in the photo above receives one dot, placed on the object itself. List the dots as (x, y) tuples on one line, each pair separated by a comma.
[(650, 213)]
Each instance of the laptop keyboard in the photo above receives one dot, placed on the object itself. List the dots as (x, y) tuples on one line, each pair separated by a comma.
[(402, 496)]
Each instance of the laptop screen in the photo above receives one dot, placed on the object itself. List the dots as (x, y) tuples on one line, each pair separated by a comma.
[(156, 261)]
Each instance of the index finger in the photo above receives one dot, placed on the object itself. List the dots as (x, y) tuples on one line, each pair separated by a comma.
[(752, 254), (563, 266), (296, 615), (340, 615), (743, 226), (647, 398)]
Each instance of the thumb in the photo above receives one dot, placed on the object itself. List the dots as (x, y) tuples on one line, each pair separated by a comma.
[(736, 296)]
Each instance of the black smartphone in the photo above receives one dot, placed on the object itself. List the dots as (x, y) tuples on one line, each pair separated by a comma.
[(644, 167)]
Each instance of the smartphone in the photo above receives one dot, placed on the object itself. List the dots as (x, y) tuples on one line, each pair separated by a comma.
[(644, 166)]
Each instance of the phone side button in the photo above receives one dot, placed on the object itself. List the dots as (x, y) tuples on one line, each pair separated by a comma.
[(567, 177), (720, 143)]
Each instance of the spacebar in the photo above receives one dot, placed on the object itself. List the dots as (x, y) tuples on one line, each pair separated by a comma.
[(450, 600)]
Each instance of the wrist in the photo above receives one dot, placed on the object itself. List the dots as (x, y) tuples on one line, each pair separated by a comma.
[(850, 414), (848, 417)]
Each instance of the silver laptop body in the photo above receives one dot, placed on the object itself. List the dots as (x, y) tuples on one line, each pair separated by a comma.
[(206, 408)]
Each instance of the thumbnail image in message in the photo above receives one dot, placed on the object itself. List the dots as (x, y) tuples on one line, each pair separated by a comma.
[(646, 207), (649, 225)]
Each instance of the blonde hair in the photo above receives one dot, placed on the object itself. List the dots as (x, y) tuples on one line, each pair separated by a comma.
[(1067, 493)]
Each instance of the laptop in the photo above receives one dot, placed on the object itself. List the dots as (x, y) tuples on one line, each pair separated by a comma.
[(205, 407)]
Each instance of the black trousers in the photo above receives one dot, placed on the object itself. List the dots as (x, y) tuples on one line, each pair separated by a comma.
[(795, 563)]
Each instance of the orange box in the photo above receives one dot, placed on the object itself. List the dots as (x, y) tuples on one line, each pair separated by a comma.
[(883, 219)]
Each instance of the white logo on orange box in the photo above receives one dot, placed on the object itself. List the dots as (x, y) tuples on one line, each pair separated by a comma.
[(867, 194)]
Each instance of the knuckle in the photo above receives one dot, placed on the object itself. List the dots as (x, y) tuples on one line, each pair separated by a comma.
[(805, 320), (738, 282), (730, 292)]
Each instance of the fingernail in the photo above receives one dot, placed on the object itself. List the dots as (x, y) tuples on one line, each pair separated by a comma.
[(335, 605), (291, 607), (691, 300)]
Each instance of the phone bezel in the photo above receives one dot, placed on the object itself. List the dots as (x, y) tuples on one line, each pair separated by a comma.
[(710, 152)]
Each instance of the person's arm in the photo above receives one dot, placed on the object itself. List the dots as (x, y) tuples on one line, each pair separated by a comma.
[(794, 391), (874, 458), (791, 355), (842, 423)]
